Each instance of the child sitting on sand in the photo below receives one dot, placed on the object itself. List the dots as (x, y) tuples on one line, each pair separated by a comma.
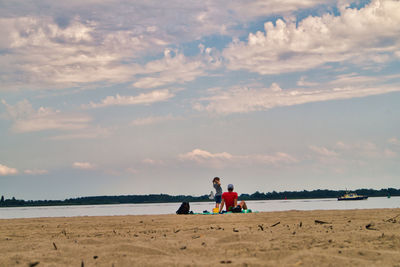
[(218, 191)]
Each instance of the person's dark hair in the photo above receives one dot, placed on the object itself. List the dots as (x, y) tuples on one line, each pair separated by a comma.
[(215, 179), (230, 187)]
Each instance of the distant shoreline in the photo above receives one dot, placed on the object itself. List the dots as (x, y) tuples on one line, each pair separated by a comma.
[(164, 198)]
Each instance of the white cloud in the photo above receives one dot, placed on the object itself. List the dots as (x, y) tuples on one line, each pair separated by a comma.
[(153, 162), (219, 160), (177, 69), (277, 158), (153, 120), (87, 133), (355, 79), (390, 154), (323, 151), (342, 146), (51, 121), (5, 171), (48, 55), (364, 149), (346, 156), (27, 119), (46, 50), (200, 155), (131, 170), (394, 141), (359, 145), (22, 109), (303, 82), (370, 34), (243, 100), (36, 172), (248, 10), (84, 44), (83, 165), (39, 53), (141, 99)]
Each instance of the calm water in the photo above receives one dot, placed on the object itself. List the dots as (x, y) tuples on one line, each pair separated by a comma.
[(170, 208)]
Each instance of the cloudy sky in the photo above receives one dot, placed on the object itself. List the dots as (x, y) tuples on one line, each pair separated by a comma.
[(112, 97)]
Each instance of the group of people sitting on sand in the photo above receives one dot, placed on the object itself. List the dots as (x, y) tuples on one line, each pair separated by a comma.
[(228, 199)]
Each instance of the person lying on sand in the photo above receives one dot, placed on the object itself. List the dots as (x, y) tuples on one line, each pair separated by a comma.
[(229, 199)]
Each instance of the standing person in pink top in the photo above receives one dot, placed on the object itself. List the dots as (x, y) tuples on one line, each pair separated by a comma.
[(229, 199)]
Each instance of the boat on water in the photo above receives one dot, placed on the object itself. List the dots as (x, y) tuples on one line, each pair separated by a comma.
[(352, 196)]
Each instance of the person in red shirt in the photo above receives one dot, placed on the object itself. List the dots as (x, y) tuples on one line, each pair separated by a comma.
[(229, 199)]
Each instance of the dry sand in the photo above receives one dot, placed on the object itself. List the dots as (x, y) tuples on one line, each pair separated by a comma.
[(291, 238)]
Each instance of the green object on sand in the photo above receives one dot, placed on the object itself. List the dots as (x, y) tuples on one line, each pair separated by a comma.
[(229, 212)]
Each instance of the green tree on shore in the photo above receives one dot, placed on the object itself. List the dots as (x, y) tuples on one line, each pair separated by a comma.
[(164, 198)]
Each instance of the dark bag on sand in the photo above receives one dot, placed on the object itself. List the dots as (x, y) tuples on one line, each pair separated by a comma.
[(236, 209), (184, 208)]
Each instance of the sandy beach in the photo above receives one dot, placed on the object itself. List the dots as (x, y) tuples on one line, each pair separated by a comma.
[(291, 238)]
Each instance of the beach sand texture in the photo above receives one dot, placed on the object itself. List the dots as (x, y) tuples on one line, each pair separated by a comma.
[(290, 238)]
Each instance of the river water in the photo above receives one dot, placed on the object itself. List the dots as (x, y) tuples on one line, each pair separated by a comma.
[(170, 208)]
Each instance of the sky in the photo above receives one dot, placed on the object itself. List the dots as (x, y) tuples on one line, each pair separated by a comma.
[(114, 97)]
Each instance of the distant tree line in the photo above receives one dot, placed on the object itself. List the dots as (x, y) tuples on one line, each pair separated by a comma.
[(97, 200), (164, 198), (319, 193)]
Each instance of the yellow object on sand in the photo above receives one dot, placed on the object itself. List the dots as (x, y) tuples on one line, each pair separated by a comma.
[(215, 210)]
